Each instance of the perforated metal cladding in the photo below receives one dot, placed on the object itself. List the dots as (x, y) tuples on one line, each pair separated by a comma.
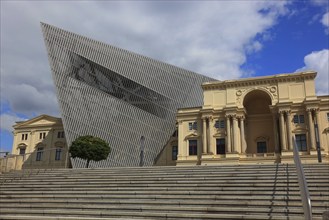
[(117, 95)]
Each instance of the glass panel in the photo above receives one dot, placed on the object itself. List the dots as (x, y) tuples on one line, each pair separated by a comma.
[(22, 151), (220, 146), (193, 146), (301, 142), (261, 147), (39, 154)]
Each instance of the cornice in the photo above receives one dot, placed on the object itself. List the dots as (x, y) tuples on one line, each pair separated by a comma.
[(256, 81)]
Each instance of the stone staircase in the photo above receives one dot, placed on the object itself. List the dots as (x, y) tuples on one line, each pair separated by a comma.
[(196, 192)]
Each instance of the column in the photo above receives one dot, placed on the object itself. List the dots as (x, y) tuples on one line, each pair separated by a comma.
[(243, 140), (228, 131), (290, 145), (283, 135), (182, 148), (311, 129), (211, 135), (204, 136), (318, 121), (275, 127), (235, 135)]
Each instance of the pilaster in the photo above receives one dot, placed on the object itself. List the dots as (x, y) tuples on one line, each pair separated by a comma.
[(290, 145), (204, 135), (228, 131), (311, 128), (235, 135), (282, 132)]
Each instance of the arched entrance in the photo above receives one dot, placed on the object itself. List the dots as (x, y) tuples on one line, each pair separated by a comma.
[(259, 122)]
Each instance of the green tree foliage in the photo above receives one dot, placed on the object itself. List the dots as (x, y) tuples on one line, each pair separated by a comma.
[(90, 148)]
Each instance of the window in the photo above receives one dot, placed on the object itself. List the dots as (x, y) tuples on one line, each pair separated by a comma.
[(192, 126), (60, 134), (22, 151), (261, 147), (58, 154), (301, 142), (24, 137), (299, 119), (174, 152), (193, 147), (220, 146), (220, 124), (39, 153), (42, 135), (328, 116)]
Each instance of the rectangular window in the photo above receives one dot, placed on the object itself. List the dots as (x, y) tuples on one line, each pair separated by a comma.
[(193, 147), (222, 124), (328, 116), (261, 147), (220, 145), (42, 135), (299, 119), (22, 151), (192, 126), (301, 142), (24, 137), (174, 152), (39, 154), (58, 154), (60, 134)]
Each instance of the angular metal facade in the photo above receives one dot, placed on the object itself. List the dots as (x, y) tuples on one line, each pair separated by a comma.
[(117, 95)]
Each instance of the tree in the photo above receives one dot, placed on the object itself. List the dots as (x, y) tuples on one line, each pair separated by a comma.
[(90, 148)]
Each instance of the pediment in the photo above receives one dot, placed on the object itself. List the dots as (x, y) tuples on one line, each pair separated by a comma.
[(219, 133), (59, 144), (299, 130), (192, 135), (42, 120)]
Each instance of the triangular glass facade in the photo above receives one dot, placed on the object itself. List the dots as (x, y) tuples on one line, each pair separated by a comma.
[(117, 95)]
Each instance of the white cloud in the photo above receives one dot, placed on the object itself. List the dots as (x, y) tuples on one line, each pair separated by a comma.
[(211, 38), (8, 120), (325, 22), (318, 61)]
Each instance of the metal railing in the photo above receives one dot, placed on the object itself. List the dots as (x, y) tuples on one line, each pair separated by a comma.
[(306, 200)]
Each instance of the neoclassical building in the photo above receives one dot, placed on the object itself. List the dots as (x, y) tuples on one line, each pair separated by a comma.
[(253, 120), (39, 143)]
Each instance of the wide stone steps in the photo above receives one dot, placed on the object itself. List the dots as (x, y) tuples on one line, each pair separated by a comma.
[(91, 215), (198, 192)]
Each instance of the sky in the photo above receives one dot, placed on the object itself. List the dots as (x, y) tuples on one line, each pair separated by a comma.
[(221, 39)]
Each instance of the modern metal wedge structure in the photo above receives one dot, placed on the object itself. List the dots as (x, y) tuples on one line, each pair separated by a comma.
[(117, 95)]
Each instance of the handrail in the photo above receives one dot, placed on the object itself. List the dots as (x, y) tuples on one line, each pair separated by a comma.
[(306, 200)]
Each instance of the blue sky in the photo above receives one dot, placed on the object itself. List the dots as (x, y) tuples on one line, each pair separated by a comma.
[(221, 39)]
